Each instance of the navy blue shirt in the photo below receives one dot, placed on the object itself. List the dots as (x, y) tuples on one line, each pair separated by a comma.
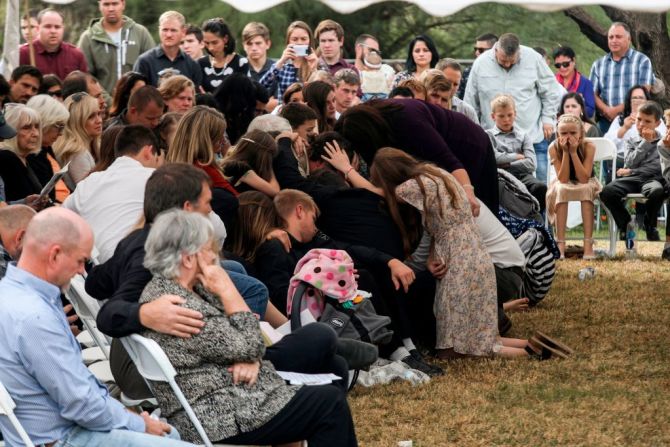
[(154, 62)]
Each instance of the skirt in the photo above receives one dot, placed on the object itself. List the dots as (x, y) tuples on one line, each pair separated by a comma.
[(571, 192)]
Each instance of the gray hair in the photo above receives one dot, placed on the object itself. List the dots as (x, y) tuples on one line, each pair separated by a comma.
[(623, 25), (17, 116), (175, 232), (509, 44), (448, 62), (51, 110), (272, 124)]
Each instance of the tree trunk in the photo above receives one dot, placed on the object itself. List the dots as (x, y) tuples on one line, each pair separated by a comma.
[(649, 33)]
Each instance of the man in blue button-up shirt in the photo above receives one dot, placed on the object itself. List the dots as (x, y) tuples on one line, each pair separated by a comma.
[(57, 399)]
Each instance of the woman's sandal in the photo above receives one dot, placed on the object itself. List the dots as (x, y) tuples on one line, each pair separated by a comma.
[(536, 351), (554, 344), (589, 257)]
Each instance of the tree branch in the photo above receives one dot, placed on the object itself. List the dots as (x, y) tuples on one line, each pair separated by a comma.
[(588, 26)]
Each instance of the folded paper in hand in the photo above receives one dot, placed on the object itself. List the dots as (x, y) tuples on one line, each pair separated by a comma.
[(54, 179)]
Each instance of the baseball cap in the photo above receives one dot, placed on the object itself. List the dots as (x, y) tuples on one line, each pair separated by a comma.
[(6, 131)]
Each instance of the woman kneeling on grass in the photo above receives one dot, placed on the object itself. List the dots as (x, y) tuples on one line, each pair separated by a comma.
[(465, 299), (239, 398)]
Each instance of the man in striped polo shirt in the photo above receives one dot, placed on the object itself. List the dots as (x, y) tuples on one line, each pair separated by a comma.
[(616, 72)]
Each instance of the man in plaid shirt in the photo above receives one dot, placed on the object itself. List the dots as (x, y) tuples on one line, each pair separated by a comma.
[(615, 73)]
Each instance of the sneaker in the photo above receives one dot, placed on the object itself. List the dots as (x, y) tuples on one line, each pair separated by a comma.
[(415, 361), (358, 354), (652, 234), (666, 253)]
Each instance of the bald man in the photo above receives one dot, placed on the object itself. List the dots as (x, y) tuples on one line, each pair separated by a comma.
[(57, 398), (13, 223)]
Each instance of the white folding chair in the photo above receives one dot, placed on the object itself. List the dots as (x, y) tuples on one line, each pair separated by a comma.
[(7, 406), (606, 151), (153, 364), (87, 309)]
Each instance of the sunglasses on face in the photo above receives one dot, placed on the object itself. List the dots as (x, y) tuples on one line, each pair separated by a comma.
[(562, 64), (480, 50), (56, 93)]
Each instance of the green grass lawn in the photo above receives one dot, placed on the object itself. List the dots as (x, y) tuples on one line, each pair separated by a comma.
[(614, 391)]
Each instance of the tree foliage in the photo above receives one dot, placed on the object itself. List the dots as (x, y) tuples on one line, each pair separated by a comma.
[(395, 23)]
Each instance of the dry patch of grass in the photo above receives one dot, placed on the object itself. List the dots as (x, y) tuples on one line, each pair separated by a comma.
[(613, 392)]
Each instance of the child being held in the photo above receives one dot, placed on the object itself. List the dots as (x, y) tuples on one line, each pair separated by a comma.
[(514, 148), (375, 81)]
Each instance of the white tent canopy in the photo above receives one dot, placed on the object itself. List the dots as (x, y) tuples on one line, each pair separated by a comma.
[(446, 7)]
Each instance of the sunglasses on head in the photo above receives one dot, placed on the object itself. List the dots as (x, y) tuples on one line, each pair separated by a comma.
[(79, 96), (562, 64)]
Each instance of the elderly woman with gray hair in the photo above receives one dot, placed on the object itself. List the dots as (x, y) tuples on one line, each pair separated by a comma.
[(239, 398), (20, 181)]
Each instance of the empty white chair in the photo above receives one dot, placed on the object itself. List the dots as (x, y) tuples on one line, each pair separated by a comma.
[(7, 406)]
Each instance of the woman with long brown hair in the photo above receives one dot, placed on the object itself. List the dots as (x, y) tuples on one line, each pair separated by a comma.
[(256, 219), (320, 96), (296, 63), (199, 135), (465, 306), (250, 163)]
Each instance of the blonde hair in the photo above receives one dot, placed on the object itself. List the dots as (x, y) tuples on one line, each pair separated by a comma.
[(174, 85), (567, 118), (502, 102), (435, 80), (75, 139), (666, 116), (415, 86), (253, 29), (287, 199), (17, 116), (172, 15), (197, 132), (51, 110)]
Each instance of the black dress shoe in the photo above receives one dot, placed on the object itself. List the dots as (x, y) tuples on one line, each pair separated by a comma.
[(652, 234), (666, 253), (415, 361)]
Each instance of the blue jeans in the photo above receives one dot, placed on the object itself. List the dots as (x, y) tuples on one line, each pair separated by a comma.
[(81, 437), (542, 160), (253, 291), (604, 125)]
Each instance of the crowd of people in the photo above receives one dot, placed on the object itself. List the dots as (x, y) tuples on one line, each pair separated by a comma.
[(200, 178)]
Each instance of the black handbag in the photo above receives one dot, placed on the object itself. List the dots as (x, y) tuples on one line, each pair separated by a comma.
[(356, 321)]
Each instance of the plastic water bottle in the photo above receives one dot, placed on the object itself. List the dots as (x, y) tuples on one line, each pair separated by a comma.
[(586, 273), (630, 240)]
